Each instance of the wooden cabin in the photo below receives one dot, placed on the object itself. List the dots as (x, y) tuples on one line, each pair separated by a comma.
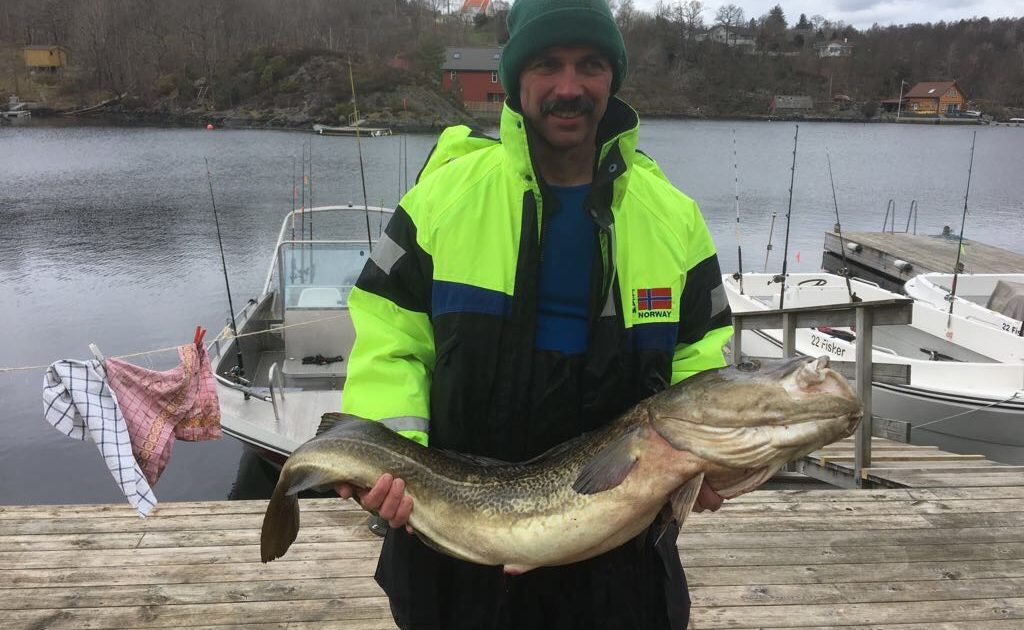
[(45, 57), (472, 73), (932, 98)]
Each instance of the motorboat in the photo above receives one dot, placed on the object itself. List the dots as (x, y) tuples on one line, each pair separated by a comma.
[(966, 389), (351, 130), (994, 299), (287, 364)]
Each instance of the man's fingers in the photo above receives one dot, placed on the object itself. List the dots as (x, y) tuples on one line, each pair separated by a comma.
[(389, 507), (708, 499), (402, 513), (373, 499), (344, 490)]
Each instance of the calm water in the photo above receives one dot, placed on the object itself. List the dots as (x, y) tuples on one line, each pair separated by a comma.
[(107, 237)]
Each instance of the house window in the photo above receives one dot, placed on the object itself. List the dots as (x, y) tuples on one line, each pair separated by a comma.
[(494, 77), (453, 75)]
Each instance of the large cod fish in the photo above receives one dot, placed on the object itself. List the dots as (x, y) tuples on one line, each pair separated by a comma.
[(734, 427)]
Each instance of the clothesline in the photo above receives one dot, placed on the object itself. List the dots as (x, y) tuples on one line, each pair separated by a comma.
[(224, 335)]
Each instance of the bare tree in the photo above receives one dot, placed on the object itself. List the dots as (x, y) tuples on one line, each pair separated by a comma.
[(729, 16)]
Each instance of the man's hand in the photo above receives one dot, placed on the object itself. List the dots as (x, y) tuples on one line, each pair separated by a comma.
[(387, 498), (707, 499)]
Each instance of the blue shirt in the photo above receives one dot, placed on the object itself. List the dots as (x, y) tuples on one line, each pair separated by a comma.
[(563, 302)]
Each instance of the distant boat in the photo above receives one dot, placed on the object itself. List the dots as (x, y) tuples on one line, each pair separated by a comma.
[(352, 130), (993, 299), (966, 377)]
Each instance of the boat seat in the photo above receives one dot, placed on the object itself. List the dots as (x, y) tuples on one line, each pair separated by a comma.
[(320, 297)]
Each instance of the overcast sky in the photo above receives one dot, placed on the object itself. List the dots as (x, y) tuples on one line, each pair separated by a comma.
[(863, 13)]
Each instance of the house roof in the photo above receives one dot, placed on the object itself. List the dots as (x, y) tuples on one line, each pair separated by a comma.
[(475, 6), (462, 58), (929, 89)]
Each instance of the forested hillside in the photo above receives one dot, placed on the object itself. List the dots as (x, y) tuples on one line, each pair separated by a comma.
[(285, 61)]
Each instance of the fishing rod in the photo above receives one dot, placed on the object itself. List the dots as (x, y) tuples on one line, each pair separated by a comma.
[(789, 214), (359, 146), (240, 371), (960, 247), (768, 249), (839, 231), (736, 181), (295, 194), (312, 204)]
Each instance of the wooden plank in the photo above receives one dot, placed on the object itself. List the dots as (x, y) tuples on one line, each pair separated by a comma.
[(838, 539), (173, 555), (185, 616), (174, 594), (191, 508), (977, 624), (207, 522), (885, 313), (873, 613), (842, 573), (895, 373), (190, 574), (906, 457), (864, 592), (1011, 519), (919, 506), (924, 479), (826, 555)]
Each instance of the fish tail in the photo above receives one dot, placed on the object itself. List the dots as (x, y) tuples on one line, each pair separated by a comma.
[(280, 524)]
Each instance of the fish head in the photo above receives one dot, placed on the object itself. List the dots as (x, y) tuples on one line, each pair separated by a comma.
[(757, 412)]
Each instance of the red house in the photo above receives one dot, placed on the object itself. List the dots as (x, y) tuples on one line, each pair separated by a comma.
[(472, 73)]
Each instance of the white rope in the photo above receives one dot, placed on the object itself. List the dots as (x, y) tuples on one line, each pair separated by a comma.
[(224, 335), (964, 413)]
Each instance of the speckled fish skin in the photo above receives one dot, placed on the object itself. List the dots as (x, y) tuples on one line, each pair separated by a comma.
[(732, 427)]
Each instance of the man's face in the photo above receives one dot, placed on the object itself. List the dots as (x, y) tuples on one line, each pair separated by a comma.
[(564, 93)]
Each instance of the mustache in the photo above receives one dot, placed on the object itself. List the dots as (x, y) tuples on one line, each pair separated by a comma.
[(571, 106)]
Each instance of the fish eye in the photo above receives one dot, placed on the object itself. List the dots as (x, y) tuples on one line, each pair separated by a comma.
[(750, 365)]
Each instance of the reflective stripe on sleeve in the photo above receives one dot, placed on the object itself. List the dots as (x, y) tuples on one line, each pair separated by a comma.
[(386, 254), (407, 423), (719, 301)]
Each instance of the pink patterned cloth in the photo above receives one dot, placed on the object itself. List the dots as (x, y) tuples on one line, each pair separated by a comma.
[(161, 406)]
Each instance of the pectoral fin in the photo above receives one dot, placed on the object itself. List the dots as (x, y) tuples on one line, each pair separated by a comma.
[(682, 501), (609, 467)]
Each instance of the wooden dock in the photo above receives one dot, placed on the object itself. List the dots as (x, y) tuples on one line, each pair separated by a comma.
[(879, 256), (946, 553)]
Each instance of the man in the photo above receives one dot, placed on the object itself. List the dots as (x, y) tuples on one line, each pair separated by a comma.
[(527, 291)]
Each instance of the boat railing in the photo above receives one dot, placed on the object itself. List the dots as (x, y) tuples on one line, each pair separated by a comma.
[(889, 220), (865, 316), (276, 385)]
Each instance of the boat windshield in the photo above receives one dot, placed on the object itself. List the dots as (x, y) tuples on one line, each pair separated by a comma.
[(319, 275)]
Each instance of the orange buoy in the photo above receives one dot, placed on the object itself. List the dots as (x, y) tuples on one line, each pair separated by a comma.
[(209, 126)]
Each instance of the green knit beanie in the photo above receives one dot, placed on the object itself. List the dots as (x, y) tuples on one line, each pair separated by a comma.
[(534, 25)]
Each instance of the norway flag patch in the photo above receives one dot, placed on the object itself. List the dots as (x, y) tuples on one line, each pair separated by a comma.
[(654, 299)]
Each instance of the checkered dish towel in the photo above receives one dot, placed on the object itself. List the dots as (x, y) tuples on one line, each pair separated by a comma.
[(78, 403), (161, 406)]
